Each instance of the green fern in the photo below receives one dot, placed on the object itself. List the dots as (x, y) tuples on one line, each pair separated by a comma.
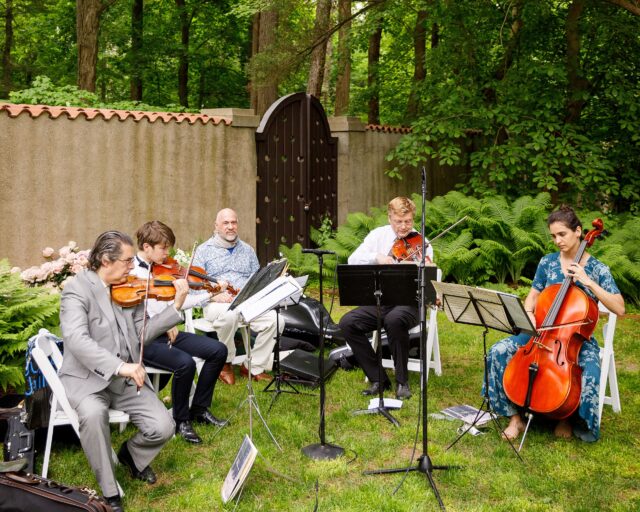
[(23, 311)]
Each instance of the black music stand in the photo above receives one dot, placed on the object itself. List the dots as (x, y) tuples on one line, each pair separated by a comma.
[(379, 285), (492, 310)]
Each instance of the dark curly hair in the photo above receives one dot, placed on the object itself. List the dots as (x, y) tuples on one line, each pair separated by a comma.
[(567, 216)]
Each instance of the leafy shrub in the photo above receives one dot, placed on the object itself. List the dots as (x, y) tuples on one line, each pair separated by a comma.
[(44, 92), (23, 311)]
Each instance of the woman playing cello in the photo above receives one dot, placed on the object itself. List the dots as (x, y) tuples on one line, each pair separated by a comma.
[(595, 279)]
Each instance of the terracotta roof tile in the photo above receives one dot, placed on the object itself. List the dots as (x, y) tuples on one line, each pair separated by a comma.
[(387, 129), (14, 110)]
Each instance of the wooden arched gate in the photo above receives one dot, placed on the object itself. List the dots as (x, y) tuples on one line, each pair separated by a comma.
[(297, 173)]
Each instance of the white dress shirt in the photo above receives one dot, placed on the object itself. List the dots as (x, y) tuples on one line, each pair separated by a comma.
[(378, 241)]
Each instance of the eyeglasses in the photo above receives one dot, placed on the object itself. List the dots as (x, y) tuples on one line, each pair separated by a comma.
[(128, 261)]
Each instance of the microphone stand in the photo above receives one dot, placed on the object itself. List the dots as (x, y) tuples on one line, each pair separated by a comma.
[(424, 461), (322, 450)]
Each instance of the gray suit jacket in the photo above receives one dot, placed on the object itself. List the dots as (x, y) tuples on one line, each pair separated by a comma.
[(90, 322)]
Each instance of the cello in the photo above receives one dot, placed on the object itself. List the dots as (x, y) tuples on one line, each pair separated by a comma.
[(543, 376)]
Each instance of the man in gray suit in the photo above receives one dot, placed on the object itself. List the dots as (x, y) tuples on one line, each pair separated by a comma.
[(100, 368)]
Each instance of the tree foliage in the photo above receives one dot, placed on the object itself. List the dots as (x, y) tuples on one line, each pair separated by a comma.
[(528, 97), (505, 97)]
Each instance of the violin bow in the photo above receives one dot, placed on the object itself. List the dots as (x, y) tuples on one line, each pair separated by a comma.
[(144, 321), (427, 244), (447, 230)]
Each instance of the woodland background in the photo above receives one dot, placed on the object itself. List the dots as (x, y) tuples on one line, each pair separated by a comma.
[(544, 94)]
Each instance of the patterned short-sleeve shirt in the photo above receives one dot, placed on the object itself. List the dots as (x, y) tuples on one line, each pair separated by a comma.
[(549, 272)]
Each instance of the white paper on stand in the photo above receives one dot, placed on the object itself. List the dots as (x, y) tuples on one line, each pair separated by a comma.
[(389, 403), (282, 291)]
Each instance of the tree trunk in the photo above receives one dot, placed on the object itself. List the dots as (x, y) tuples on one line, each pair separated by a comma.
[(88, 14), (266, 88), (255, 47), (183, 54), (419, 69), (373, 74), (6, 51), (137, 21), (318, 55), (344, 59), (578, 86)]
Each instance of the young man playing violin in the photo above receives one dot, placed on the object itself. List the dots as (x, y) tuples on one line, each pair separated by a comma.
[(225, 256), (101, 366), (595, 279), (174, 350), (396, 320)]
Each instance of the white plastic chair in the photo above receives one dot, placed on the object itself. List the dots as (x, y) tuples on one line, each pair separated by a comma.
[(61, 411), (202, 325), (608, 374), (433, 343)]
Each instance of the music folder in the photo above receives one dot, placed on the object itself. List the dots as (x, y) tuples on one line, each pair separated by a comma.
[(239, 470)]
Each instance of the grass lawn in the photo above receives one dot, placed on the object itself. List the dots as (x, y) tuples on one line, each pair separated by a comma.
[(556, 474)]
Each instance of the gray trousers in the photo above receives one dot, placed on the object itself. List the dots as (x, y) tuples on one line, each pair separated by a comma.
[(147, 413)]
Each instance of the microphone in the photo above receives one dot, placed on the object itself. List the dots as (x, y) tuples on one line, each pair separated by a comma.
[(317, 251)]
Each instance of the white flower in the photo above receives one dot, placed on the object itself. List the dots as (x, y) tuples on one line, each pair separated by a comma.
[(47, 252), (64, 251), (72, 245)]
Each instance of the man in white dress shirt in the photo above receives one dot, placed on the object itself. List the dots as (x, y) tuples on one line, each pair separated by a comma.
[(396, 320)]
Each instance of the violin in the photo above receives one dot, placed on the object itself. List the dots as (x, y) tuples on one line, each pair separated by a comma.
[(198, 278), (543, 376), (408, 248), (134, 291)]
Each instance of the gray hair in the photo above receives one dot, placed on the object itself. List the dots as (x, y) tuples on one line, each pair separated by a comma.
[(108, 244)]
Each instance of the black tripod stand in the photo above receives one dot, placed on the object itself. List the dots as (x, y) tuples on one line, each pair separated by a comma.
[(322, 450), (424, 464), (279, 381)]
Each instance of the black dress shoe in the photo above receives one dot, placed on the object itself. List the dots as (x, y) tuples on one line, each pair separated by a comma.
[(184, 429), (374, 389), (146, 475), (115, 503), (207, 418), (403, 392)]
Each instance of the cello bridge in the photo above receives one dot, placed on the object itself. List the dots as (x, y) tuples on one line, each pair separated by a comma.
[(542, 346)]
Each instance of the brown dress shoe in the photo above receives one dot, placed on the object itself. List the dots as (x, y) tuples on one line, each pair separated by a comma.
[(261, 376), (226, 375)]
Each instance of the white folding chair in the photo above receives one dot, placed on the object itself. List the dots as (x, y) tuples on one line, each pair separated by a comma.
[(433, 344), (61, 411), (203, 325), (608, 374)]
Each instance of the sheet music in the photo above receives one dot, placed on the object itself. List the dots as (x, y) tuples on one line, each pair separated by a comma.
[(480, 306), (259, 280), (456, 302), (283, 290), (491, 309)]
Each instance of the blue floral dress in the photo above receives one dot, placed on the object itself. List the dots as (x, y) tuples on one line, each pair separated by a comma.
[(549, 272)]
